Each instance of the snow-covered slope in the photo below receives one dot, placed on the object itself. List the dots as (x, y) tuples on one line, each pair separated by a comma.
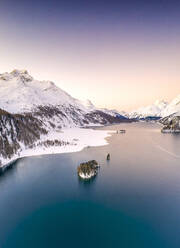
[(17, 132), (23, 135), (33, 114), (154, 110), (158, 109), (121, 114), (172, 108), (19, 92), (88, 104)]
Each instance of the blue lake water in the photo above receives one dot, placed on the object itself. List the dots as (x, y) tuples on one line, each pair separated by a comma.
[(133, 202)]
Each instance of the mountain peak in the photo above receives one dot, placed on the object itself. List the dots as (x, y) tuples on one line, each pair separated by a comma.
[(154, 110), (17, 72), (88, 104), (20, 92), (22, 75)]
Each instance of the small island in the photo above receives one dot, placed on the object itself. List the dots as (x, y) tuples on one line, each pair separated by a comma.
[(121, 131), (88, 169), (108, 157)]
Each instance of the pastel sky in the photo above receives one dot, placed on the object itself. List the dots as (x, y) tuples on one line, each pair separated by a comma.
[(119, 54)]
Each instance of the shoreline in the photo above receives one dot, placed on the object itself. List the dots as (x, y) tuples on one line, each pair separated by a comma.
[(170, 131), (79, 138)]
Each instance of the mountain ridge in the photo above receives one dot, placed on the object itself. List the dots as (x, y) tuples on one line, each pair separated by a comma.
[(33, 114), (159, 109)]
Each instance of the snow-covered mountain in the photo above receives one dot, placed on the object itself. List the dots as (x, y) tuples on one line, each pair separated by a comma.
[(158, 109), (151, 111), (171, 116), (33, 113), (172, 108), (120, 114), (21, 93)]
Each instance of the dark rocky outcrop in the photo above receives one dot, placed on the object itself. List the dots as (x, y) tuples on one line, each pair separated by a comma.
[(171, 124), (108, 157), (100, 117)]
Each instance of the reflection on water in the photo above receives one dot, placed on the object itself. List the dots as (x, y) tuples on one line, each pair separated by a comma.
[(6, 172), (87, 183)]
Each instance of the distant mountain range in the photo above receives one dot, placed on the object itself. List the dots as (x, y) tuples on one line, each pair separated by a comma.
[(21, 93), (168, 114), (157, 110)]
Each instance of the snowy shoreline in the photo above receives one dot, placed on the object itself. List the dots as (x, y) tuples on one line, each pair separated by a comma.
[(170, 131), (78, 139)]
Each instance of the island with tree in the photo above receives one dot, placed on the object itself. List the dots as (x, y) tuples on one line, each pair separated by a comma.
[(88, 169)]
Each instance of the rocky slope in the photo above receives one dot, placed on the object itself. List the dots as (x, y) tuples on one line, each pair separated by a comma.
[(171, 124), (18, 131)]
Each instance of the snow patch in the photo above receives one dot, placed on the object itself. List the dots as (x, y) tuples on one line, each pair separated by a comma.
[(78, 139)]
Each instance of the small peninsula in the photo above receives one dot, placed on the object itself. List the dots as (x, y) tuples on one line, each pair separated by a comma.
[(171, 125)]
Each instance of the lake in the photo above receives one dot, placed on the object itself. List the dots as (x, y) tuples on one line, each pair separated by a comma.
[(134, 201)]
